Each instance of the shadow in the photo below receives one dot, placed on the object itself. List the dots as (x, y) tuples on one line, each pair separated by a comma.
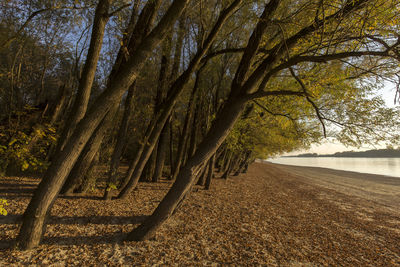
[(120, 220), (20, 191), (16, 185), (79, 196), (6, 244), (97, 220), (72, 240), (17, 189), (84, 240), (11, 219)]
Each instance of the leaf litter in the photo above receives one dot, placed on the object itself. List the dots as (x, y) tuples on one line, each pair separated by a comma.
[(267, 217)]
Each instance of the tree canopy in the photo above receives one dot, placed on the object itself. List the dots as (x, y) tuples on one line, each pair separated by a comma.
[(176, 88)]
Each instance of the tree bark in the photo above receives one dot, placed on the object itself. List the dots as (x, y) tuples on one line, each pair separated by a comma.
[(89, 181), (101, 18), (176, 89), (47, 191), (121, 139), (87, 156), (210, 172), (185, 130), (202, 177), (217, 134), (59, 105), (161, 152)]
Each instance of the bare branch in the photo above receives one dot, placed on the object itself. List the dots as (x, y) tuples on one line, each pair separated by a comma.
[(119, 9), (317, 111), (273, 113)]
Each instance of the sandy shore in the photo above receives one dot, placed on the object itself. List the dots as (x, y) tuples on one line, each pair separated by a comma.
[(275, 215), (384, 190)]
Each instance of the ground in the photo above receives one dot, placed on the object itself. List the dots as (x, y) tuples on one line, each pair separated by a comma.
[(274, 215)]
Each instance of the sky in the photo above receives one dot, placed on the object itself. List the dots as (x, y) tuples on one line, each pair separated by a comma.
[(329, 147)]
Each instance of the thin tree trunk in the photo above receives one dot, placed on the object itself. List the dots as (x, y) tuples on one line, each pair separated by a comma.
[(171, 149), (138, 164), (85, 160), (227, 161), (217, 134), (161, 152), (121, 139), (88, 73), (194, 133), (210, 172), (59, 106), (185, 130), (202, 177), (89, 181), (221, 159), (47, 191)]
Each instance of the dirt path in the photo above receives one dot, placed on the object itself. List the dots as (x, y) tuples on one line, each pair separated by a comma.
[(274, 215)]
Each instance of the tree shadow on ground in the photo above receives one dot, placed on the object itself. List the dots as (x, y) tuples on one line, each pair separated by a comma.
[(81, 220), (120, 220), (84, 240), (72, 240), (81, 196), (17, 189)]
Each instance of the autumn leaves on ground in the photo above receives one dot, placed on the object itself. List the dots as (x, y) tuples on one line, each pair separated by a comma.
[(273, 215)]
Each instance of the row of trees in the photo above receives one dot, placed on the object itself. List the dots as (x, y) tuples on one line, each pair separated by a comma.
[(177, 88)]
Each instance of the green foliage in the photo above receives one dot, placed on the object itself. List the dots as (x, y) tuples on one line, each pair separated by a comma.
[(111, 186), (24, 150)]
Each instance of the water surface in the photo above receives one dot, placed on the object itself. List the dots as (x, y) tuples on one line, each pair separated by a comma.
[(382, 166)]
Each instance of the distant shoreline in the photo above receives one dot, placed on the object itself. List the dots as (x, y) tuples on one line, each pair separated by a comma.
[(376, 153), (364, 165), (336, 171)]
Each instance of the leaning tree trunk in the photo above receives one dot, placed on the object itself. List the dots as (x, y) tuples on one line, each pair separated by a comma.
[(202, 177), (90, 178), (217, 134), (161, 152), (88, 73), (48, 189), (174, 92), (227, 161), (59, 105), (87, 156), (121, 139), (210, 173), (228, 169), (186, 127)]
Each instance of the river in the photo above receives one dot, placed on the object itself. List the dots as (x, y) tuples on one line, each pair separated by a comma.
[(382, 166)]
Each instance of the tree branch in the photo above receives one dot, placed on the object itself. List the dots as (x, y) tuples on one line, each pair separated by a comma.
[(317, 111)]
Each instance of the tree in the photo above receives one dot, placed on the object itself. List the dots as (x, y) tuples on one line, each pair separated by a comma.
[(47, 191), (253, 74)]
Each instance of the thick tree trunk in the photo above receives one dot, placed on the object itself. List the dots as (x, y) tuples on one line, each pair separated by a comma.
[(217, 134), (47, 191)]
